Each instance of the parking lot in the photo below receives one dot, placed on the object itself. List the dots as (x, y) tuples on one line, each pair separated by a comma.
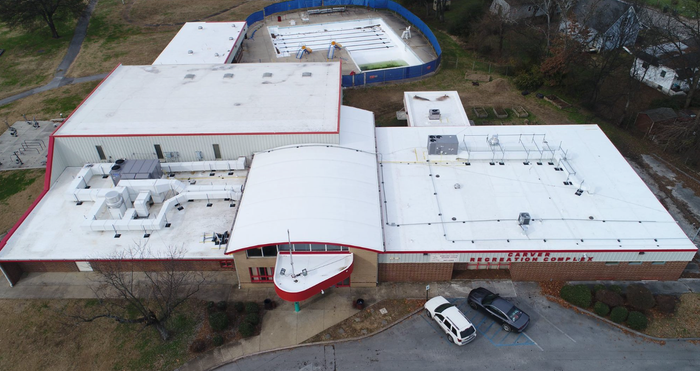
[(556, 339)]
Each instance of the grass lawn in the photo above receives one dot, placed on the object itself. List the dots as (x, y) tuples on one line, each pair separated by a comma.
[(31, 57), (18, 189), (683, 324)]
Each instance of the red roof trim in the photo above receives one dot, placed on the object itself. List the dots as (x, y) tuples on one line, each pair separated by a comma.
[(532, 251), (311, 291), (190, 134), (304, 242)]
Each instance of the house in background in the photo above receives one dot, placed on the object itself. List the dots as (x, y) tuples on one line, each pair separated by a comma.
[(651, 121), (667, 67), (515, 10), (603, 24)]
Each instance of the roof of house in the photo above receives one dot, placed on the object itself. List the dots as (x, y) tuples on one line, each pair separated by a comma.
[(202, 43), (599, 15), (250, 98), (660, 114)]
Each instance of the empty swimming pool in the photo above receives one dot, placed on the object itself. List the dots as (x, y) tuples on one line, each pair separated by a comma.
[(370, 43)]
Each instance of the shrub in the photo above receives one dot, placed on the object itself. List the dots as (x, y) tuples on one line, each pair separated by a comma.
[(601, 309), (579, 295), (637, 321), (218, 340), (529, 81), (198, 346), (640, 297), (210, 306), (251, 307), (246, 329), (252, 318), (666, 303), (609, 298), (239, 306), (221, 305), (615, 288), (618, 314), (218, 321), (598, 287)]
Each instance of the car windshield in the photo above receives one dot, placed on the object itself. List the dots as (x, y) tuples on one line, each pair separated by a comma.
[(442, 307), (514, 314), (466, 333), (488, 299)]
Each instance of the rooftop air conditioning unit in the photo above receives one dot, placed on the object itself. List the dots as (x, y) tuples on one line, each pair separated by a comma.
[(434, 114)]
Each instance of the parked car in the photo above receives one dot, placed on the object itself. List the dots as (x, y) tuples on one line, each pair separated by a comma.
[(458, 328), (504, 312)]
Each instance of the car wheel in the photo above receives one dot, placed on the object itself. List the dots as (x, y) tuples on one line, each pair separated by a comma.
[(450, 339), (427, 313), (507, 328), (473, 305)]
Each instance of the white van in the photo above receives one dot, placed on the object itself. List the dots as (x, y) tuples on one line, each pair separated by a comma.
[(458, 328)]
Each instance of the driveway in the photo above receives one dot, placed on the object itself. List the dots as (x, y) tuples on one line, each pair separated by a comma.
[(557, 339)]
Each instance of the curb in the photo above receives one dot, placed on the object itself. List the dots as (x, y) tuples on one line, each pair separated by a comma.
[(315, 344), (619, 326)]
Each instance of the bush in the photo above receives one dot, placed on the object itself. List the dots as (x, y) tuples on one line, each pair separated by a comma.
[(609, 298), (637, 321), (246, 329), (198, 346), (210, 306), (218, 340), (640, 297), (601, 309), (221, 305), (618, 314), (529, 80), (251, 307), (218, 321), (252, 318), (598, 287), (666, 303), (578, 295), (615, 288), (239, 306)]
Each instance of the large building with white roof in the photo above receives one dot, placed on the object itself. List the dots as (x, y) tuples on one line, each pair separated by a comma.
[(260, 169)]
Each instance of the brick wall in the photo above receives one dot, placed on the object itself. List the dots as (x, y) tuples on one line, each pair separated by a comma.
[(157, 266), (670, 271), (408, 272)]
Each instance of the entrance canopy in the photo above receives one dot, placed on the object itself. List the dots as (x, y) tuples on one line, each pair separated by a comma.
[(310, 274), (321, 194)]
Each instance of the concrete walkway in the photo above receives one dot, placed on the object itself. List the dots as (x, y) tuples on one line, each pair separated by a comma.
[(60, 78)]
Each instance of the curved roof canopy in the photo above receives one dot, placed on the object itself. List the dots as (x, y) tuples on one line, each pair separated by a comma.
[(320, 193)]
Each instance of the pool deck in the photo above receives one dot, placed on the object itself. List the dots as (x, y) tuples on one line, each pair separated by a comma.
[(259, 49)]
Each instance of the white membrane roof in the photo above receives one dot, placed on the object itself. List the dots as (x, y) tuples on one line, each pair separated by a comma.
[(464, 203), (320, 193), (210, 43), (418, 103), (53, 230), (267, 98)]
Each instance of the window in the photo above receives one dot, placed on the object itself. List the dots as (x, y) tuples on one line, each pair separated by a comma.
[(612, 263), (261, 275), (217, 151), (658, 263), (159, 151), (344, 283), (264, 252), (318, 247), (301, 247), (101, 152), (635, 263), (305, 247), (227, 264), (663, 74)]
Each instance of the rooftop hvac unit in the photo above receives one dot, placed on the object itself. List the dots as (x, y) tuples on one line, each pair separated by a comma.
[(524, 219), (433, 114), (443, 145)]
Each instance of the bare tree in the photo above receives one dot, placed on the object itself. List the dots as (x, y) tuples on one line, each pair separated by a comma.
[(27, 13), (155, 294)]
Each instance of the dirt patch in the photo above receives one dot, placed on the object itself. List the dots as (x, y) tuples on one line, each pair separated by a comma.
[(551, 287), (684, 323), (14, 206), (370, 320)]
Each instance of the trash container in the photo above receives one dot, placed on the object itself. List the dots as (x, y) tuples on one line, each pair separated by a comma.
[(360, 304), (269, 304)]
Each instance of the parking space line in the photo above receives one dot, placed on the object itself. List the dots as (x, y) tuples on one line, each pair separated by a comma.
[(534, 342), (507, 333)]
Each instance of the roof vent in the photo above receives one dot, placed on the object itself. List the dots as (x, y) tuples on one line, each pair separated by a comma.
[(230, 38), (216, 55), (200, 27), (434, 114), (267, 74), (190, 52), (228, 75), (233, 25), (189, 76), (306, 74), (524, 219)]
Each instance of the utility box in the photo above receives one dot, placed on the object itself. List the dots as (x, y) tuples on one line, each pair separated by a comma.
[(524, 219), (443, 145)]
